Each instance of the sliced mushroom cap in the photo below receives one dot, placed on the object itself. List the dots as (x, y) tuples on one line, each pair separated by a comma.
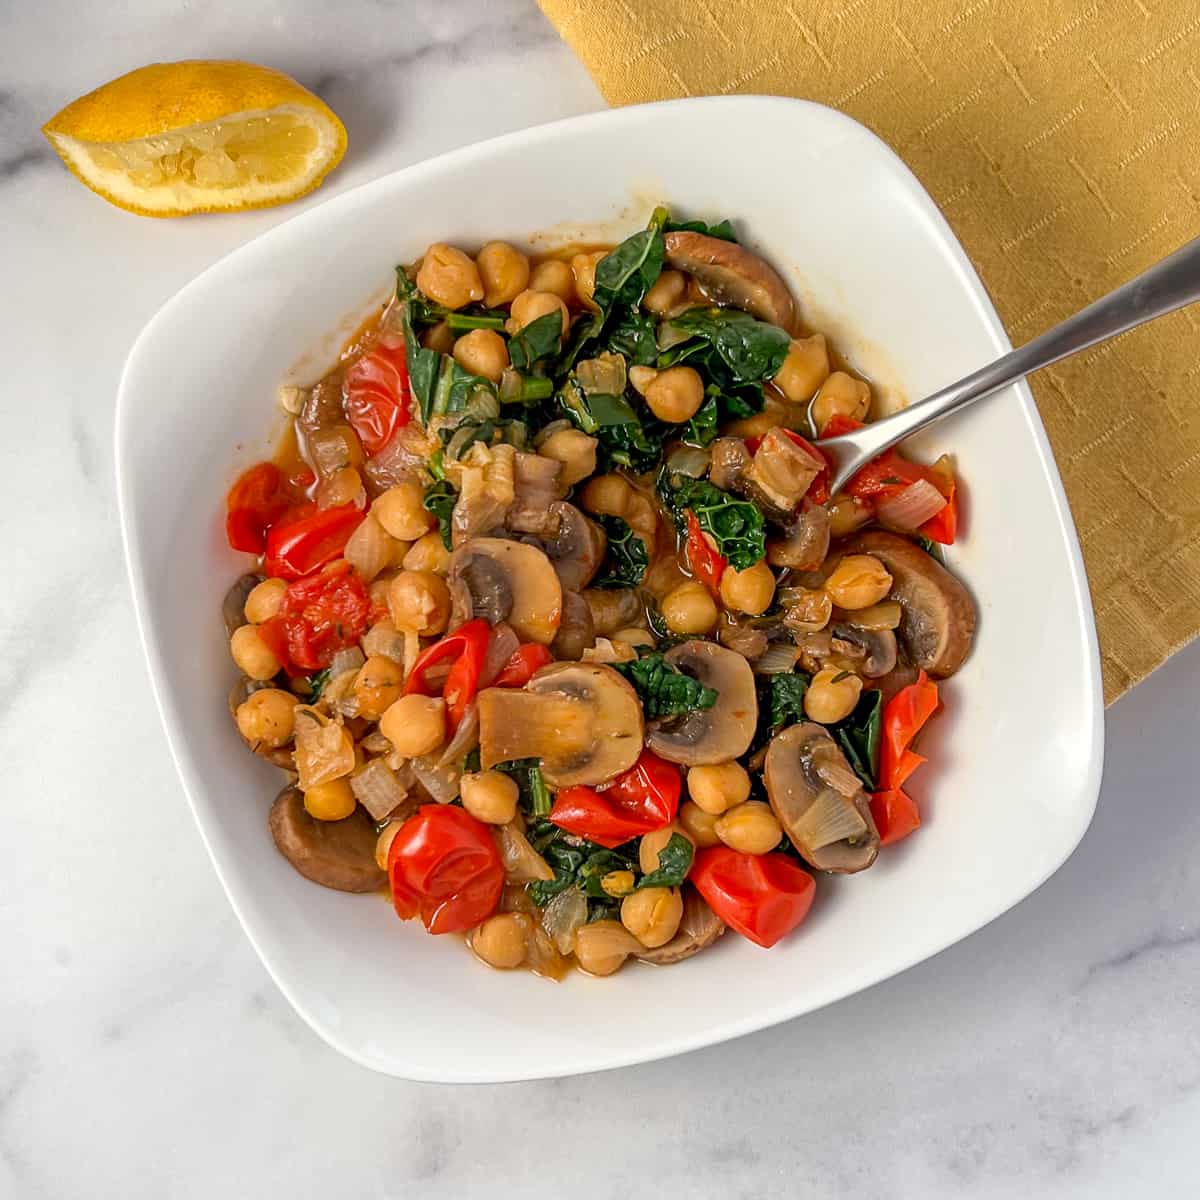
[(876, 646), (717, 734), (613, 609), (233, 607), (819, 800), (937, 624), (576, 632), (582, 720), (807, 542), (698, 929), (335, 854), (576, 550), (508, 581), (731, 274)]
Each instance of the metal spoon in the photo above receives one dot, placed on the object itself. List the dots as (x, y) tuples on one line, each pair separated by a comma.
[(1164, 287)]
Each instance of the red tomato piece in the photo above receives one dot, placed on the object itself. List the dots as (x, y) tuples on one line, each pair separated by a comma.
[(443, 866), (254, 503), (309, 539), (321, 614), (376, 395), (895, 814), (762, 896), (525, 661), (839, 424), (943, 526), (468, 646), (641, 800), (707, 564), (903, 717)]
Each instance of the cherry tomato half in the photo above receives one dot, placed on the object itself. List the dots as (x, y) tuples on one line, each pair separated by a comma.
[(376, 395), (707, 564), (895, 814), (762, 896), (309, 539), (255, 502), (903, 716), (443, 866), (468, 646), (641, 800)]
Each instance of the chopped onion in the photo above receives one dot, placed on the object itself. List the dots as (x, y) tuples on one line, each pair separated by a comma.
[(543, 957), (377, 789), (333, 448), (838, 775), (383, 638), (324, 749), (376, 743), (829, 819), (349, 659), (291, 400), (465, 739), (440, 782), (503, 645), (778, 659), (522, 863), (691, 461), (884, 615), (671, 335), (912, 507), (606, 374), (548, 431), (515, 898), (370, 549), (563, 916)]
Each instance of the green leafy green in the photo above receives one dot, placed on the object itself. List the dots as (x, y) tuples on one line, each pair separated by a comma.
[(535, 795), (624, 274), (316, 684), (625, 560), (625, 440), (575, 860), (541, 338), (932, 548), (736, 525), (423, 364), (702, 428), (858, 736), (780, 703), (752, 350), (665, 691), (722, 229), (516, 388), (440, 499), (634, 336), (458, 390), (674, 862)]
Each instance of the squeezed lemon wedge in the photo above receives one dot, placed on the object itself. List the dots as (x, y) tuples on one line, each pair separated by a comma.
[(173, 139)]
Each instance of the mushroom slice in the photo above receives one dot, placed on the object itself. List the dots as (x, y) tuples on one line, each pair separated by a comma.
[(506, 581), (710, 735), (819, 801), (698, 929), (576, 631), (537, 486), (576, 549), (582, 720), (335, 854), (877, 648), (807, 542), (233, 607), (937, 623), (731, 274)]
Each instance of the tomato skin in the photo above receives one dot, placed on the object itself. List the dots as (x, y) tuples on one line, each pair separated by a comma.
[(707, 564), (903, 717), (321, 614), (254, 503), (443, 866), (818, 490), (468, 645), (641, 800), (309, 539), (943, 526), (839, 424), (762, 896), (525, 661), (376, 395), (895, 814)]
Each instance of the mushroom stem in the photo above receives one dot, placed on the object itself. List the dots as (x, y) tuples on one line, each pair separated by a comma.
[(514, 724)]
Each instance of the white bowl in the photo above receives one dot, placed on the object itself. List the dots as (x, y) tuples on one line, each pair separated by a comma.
[(1015, 759)]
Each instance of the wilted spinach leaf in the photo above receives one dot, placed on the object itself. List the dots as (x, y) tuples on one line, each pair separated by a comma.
[(527, 773), (440, 499), (665, 691), (736, 525), (858, 736), (634, 336), (702, 428), (780, 703), (626, 560), (624, 274), (316, 684), (539, 339), (674, 862), (722, 229), (423, 364), (751, 349)]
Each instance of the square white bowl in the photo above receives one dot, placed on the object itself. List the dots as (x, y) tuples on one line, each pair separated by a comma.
[(1015, 759)]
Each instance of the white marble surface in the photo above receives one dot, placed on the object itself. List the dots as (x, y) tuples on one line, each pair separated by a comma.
[(143, 1050)]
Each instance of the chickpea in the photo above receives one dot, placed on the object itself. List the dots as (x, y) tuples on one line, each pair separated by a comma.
[(265, 600), (698, 825), (449, 277), (804, 370), (377, 686), (750, 828), (635, 637), (665, 292), (606, 494), (652, 843), (689, 608), (750, 591), (504, 271), (427, 553), (482, 352), (501, 941), (858, 581), (832, 695), (675, 394), (252, 655), (810, 611), (439, 337), (528, 306), (603, 946), (415, 725), (576, 451), (846, 514), (401, 511), (332, 800), (618, 883), (553, 276), (760, 423), (383, 843), (641, 377), (267, 718), (840, 395), (583, 267), (490, 796), (377, 589), (652, 915), (718, 787), (419, 600)]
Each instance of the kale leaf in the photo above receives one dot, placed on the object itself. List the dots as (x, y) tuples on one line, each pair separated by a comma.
[(423, 364), (737, 525), (625, 440), (527, 773), (702, 428), (316, 684), (674, 862), (440, 499), (624, 274), (665, 691), (541, 338), (752, 350), (626, 559), (722, 229), (634, 336), (858, 736)]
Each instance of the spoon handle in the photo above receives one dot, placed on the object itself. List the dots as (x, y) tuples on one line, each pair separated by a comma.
[(1162, 288)]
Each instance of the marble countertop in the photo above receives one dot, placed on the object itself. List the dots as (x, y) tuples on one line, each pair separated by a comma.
[(144, 1052)]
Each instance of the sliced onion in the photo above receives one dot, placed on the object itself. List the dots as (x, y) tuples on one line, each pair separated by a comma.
[(691, 461), (503, 645), (324, 749), (440, 782), (370, 549), (835, 771), (383, 638), (829, 819), (606, 373), (465, 739), (522, 863), (563, 916), (778, 659), (376, 743), (349, 659), (332, 448), (912, 507), (377, 789), (543, 957)]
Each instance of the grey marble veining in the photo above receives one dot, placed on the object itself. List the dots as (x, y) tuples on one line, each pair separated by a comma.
[(144, 1052)]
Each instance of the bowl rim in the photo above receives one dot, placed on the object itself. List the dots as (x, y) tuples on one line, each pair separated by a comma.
[(769, 1014)]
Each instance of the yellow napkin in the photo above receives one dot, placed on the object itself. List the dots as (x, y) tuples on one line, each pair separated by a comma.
[(1060, 141)]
